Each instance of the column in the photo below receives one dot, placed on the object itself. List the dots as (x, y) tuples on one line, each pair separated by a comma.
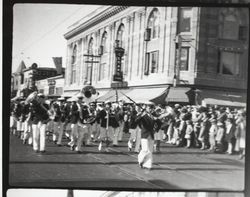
[(131, 46), (142, 15), (68, 64)]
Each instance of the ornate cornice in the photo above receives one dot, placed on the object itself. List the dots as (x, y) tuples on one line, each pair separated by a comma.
[(96, 19)]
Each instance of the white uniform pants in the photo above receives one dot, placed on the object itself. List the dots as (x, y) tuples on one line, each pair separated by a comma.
[(105, 133), (83, 130), (39, 136), (135, 136), (58, 132), (146, 154), (27, 135), (74, 134), (115, 134), (120, 132)]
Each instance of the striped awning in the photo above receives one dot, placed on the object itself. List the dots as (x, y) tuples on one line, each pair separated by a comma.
[(178, 94)]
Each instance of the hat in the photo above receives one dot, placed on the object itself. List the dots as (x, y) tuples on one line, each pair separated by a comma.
[(108, 102), (41, 95), (220, 124), (61, 99)]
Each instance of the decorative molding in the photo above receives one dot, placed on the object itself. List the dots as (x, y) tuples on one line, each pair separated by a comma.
[(99, 17)]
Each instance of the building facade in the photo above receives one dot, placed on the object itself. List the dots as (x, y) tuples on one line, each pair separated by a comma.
[(52, 86), (202, 50)]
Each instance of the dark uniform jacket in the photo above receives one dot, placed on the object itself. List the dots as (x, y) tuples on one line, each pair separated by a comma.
[(74, 114), (58, 113), (146, 124), (103, 118), (132, 119), (38, 113)]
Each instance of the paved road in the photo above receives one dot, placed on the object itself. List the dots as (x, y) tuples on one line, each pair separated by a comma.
[(174, 168)]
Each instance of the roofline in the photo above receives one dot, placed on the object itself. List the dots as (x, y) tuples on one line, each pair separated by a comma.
[(96, 18)]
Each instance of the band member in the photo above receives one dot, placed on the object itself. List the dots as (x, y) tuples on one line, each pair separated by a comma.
[(17, 115), (121, 120), (74, 117), (40, 118), (93, 123), (27, 135), (13, 119), (146, 123), (98, 122), (105, 130), (114, 122), (58, 124), (132, 114), (158, 132)]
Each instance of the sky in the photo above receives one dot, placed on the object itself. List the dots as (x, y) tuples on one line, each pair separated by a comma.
[(38, 31)]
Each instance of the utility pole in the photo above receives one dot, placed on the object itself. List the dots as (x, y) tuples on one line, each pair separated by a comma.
[(178, 43), (92, 62)]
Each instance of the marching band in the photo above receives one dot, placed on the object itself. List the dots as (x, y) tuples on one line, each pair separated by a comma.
[(103, 124)]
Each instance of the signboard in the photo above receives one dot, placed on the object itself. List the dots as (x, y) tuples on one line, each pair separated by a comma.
[(118, 72), (118, 77), (51, 82), (123, 84)]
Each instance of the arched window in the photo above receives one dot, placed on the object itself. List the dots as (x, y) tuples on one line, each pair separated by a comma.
[(104, 42), (229, 25), (90, 47), (120, 37), (154, 23), (74, 54), (73, 65)]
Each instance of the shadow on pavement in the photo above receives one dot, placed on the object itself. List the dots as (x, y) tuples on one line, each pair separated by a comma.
[(99, 184)]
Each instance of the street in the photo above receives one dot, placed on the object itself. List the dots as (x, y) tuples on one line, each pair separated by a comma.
[(174, 168)]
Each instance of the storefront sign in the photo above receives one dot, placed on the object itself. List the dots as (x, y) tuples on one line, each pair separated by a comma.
[(51, 82), (118, 72)]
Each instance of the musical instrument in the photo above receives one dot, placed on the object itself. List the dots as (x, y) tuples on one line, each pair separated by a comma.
[(87, 91), (31, 97)]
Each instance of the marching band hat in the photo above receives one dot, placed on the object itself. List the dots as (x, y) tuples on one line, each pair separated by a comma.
[(41, 95), (220, 124), (108, 102), (61, 99)]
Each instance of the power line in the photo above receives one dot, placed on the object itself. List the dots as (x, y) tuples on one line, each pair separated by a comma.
[(51, 30)]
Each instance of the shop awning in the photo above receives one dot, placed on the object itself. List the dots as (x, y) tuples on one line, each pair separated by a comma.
[(145, 95), (111, 95), (223, 98), (178, 94), (100, 93), (70, 93)]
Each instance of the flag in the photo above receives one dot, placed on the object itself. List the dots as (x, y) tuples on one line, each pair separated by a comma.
[(58, 64)]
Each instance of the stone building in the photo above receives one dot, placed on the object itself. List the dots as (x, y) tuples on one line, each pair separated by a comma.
[(161, 54)]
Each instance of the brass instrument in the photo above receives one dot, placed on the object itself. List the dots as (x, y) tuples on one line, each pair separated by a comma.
[(88, 91)]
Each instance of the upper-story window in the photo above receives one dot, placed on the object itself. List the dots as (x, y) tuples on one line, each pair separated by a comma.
[(73, 65), (104, 44), (230, 25), (120, 37), (89, 65), (154, 23), (184, 19), (152, 64)]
